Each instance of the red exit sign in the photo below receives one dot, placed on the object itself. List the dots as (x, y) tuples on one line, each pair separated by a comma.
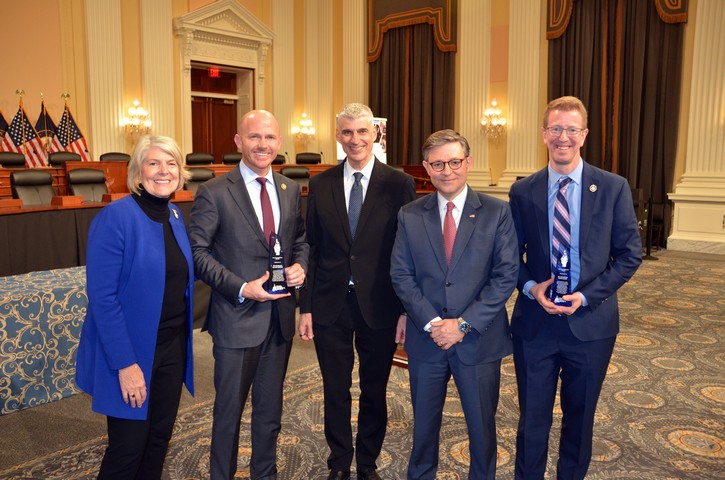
[(214, 72)]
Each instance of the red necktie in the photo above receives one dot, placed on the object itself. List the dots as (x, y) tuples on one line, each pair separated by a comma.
[(267, 216), (449, 231)]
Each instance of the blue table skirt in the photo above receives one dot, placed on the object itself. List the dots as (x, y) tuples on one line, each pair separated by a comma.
[(41, 314)]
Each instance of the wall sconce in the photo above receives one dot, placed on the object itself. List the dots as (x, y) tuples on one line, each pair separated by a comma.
[(138, 124), (304, 132), (492, 122)]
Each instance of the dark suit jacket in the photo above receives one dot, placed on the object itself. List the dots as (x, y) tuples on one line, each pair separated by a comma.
[(229, 249), (609, 244), (334, 256), (476, 286)]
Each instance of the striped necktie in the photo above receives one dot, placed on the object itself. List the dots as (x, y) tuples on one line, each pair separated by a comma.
[(561, 237)]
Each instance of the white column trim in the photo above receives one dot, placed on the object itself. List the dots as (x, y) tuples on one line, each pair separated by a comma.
[(699, 198), (473, 59), (105, 54), (157, 65), (522, 139)]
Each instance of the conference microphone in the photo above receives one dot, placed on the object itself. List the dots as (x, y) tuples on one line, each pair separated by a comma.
[(286, 156), (322, 157)]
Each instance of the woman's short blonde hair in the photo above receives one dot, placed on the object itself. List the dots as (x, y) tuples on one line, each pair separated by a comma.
[(165, 144)]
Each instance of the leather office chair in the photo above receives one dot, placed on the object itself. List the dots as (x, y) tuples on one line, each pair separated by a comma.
[(300, 175), (12, 160), (308, 158), (231, 158), (33, 187), (56, 159), (88, 183), (198, 176), (279, 160), (199, 158), (115, 157)]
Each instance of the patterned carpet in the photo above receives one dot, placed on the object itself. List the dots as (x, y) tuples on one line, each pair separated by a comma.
[(661, 414)]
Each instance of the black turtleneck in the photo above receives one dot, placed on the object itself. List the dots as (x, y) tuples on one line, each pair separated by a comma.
[(173, 309)]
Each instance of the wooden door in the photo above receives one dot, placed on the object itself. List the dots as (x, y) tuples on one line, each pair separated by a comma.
[(214, 123)]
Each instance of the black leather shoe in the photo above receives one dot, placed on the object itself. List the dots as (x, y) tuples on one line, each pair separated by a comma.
[(369, 474), (339, 475)]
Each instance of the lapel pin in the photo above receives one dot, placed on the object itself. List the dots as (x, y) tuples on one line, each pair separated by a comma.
[(284, 186), (473, 215), (592, 188), (176, 214)]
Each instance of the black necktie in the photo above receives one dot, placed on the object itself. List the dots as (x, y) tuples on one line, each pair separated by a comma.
[(356, 200)]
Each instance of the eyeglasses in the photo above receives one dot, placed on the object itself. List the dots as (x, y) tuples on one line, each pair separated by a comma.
[(440, 165), (557, 131)]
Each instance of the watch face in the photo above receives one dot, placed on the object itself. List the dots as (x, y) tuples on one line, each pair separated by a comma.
[(465, 327)]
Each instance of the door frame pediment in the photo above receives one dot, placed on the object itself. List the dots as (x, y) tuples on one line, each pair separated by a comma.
[(222, 33)]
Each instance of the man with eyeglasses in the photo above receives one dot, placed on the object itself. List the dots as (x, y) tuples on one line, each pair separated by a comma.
[(578, 244), (454, 265)]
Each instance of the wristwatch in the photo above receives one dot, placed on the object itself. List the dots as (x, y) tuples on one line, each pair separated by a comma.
[(464, 327)]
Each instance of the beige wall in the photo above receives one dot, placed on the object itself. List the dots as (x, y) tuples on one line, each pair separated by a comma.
[(31, 58)]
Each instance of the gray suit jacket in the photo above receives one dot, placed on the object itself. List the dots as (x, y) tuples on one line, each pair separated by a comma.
[(480, 279), (229, 249)]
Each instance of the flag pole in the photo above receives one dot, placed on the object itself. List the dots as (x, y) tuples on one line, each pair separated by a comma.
[(20, 92), (65, 98)]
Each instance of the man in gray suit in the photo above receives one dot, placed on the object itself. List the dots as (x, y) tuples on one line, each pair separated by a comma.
[(454, 265), (252, 329)]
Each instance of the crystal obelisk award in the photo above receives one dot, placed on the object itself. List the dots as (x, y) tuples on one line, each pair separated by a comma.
[(277, 282), (562, 281)]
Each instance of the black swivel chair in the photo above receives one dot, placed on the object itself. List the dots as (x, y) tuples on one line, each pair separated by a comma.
[(12, 160), (279, 160), (231, 158), (33, 187), (198, 176), (308, 158), (199, 158), (88, 183), (56, 159), (300, 175), (115, 157)]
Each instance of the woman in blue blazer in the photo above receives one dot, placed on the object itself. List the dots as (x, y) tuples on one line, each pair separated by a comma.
[(136, 348)]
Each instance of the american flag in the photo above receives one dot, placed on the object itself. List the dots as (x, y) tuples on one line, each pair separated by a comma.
[(3, 126), (68, 138), (21, 137), (45, 127)]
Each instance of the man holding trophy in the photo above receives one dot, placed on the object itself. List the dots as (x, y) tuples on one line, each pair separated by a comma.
[(578, 244), (248, 241)]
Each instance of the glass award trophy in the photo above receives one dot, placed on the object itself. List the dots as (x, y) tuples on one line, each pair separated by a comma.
[(562, 281), (277, 282)]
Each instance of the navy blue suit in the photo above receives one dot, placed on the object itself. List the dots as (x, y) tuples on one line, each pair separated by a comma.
[(576, 347), (475, 287)]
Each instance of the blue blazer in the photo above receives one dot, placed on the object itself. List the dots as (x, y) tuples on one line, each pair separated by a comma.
[(609, 244), (125, 275), (476, 286)]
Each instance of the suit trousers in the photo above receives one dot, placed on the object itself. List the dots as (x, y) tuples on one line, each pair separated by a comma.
[(137, 448), (539, 362), (478, 389), (375, 348), (237, 370)]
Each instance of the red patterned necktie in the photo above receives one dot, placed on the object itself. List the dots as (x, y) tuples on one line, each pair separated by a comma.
[(449, 231), (267, 216)]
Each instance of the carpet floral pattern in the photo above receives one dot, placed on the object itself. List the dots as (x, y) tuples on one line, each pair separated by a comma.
[(661, 414)]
